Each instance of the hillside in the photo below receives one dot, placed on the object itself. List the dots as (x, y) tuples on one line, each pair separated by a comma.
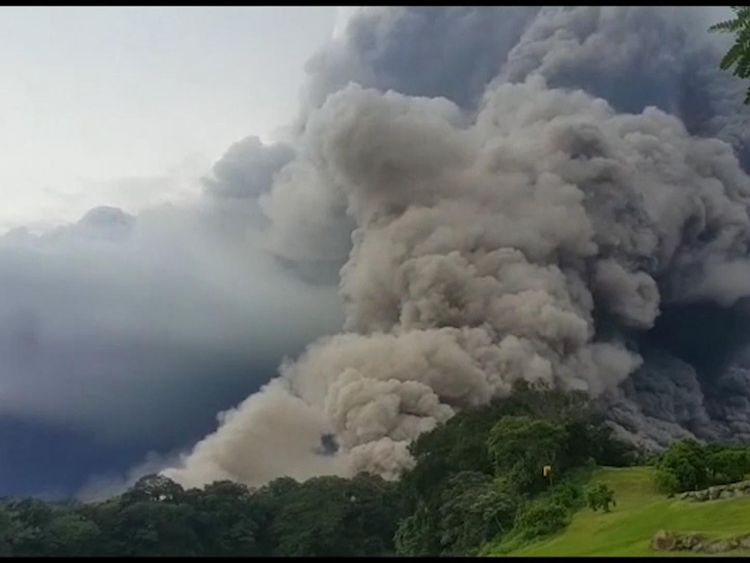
[(640, 512), (479, 486)]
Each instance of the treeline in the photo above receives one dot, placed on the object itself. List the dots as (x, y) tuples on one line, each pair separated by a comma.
[(479, 477), (322, 516), (691, 466)]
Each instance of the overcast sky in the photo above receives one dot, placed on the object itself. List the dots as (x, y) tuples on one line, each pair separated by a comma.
[(131, 107), (124, 106)]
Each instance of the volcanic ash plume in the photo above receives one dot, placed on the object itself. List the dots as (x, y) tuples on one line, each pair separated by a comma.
[(485, 245)]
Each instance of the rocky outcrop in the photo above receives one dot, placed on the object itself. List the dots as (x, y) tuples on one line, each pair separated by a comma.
[(665, 540), (731, 490)]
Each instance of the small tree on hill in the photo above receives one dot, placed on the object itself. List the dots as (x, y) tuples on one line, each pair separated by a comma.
[(600, 496)]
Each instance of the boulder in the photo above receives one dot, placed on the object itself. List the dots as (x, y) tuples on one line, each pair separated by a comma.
[(663, 540), (690, 541), (719, 546)]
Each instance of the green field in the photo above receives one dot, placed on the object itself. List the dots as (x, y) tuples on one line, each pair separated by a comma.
[(640, 512)]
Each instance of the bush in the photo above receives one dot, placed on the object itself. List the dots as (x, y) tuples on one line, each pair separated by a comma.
[(686, 461), (667, 482), (728, 465), (568, 495), (541, 517), (600, 496)]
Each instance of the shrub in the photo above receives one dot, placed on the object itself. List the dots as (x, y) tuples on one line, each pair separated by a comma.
[(541, 517), (687, 462), (600, 496), (568, 495)]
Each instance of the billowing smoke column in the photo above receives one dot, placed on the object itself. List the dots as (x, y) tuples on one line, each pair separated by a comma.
[(531, 225)]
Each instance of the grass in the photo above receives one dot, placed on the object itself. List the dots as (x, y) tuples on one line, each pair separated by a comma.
[(640, 512)]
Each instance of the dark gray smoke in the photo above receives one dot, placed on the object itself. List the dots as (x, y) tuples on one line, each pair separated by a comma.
[(511, 193), (105, 321)]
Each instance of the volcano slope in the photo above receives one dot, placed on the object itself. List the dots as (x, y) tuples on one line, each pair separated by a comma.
[(640, 513)]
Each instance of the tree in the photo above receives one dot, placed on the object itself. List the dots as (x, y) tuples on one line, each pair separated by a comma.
[(229, 519), (738, 55), (417, 534), (332, 516), (728, 464), (28, 519), (600, 496), (473, 510), (155, 488), (148, 528), (70, 534), (541, 517), (521, 446), (683, 467)]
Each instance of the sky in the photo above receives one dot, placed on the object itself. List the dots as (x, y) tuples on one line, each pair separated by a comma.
[(130, 108), (126, 106)]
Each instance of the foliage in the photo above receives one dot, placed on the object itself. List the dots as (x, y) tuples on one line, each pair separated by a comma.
[(541, 517), (738, 55), (328, 516), (727, 464), (416, 534), (688, 465), (685, 466), (475, 479), (323, 516), (568, 495), (600, 496), (473, 511), (480, 475), (521, 446), (641, 511)]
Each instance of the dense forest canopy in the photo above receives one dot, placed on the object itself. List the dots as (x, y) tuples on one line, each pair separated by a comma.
[(509, 472)]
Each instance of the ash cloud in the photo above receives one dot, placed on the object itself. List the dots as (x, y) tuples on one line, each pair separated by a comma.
[(490, 229), (494, 194), (107, 320), (633, 57)]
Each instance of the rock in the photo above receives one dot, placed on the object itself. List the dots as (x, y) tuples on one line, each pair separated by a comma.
[(691, 540), (718, 492), (718, 547), (663, 540)]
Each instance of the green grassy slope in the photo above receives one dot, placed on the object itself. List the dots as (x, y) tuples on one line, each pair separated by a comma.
[(640, 512)]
